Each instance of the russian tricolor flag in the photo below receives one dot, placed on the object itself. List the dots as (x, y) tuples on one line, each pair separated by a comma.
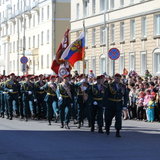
[(75, 51)]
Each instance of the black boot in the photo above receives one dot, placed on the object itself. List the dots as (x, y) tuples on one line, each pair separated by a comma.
[(49, 122), (107, 131), (92, 128), (118, 133), (100, 130), (62, 125), (67, 126), (79, 125)]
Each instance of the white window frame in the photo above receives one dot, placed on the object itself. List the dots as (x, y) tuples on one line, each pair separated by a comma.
[(144, 27), (48, 61), (132, 29), (48, 13), (102, 64), (93, 64), (157, 25), (122, 29), (48, 36), (77, 10), (121, 63), (85, 8), (143, 63), (93, 36), (42, 38), (102, 35), (112, 4), (93, 7), (132, 54), (157, 61), (112, 33), (121, 3), (86, 38)]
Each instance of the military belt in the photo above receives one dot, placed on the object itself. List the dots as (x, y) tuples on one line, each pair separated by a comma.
[(40, 92), (114, 100), (98, 99), (50, 94), (13, 92), (64, 96)]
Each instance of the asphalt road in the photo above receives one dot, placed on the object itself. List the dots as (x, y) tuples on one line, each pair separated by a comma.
[(35, 140)]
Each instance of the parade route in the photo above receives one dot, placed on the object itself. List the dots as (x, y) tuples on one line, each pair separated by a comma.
[(35, 140)]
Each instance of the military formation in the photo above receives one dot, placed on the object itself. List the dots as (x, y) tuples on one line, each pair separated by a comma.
[(79, 97)]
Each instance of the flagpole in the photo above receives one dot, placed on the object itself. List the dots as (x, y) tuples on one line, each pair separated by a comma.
[(84, 50)]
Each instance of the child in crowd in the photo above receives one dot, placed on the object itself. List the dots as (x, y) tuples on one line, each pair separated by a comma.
[(150, 109)]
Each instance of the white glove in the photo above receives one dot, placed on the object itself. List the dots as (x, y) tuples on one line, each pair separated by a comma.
[(35, 100), (60, 98), (29, 92), (11, 90), (95, 103)]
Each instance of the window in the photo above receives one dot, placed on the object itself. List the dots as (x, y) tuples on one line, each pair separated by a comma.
[(157, 24), (29, 22), (86, 38), (112, 32), (41, 61), (34, 20), (93, 6), (38, 18), (132, 31), (111, 67), (42, 14), (86, 66), (157, 61), (33, 41), (132, 61), (47, 12), (122, 31), (143, 63), (14, 46), (121, 3), (42, 38), (94, 64), (102, 64), (131, 1), (121, 64), (47, 36), (10, 28), (86, 9), (144, 27), (104, 5), (93, 36), (112, 4), (29, 42), (21, 45), (48, 60), (102, 35), (13, 65), (38, 41), (77, 11)]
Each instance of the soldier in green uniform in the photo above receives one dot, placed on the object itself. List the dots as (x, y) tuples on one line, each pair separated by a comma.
[(97, 93), (66, 94), (40, 95), (51, 97), (28, 97), (13, 88), (116, 100)]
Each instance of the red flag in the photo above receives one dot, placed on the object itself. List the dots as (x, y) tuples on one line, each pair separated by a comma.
[(125, 72), (63, 45)]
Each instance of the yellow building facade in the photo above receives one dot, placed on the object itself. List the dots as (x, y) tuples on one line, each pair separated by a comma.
[(132, 26)]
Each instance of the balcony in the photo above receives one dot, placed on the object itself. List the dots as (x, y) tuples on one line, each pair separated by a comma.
[(35, 6)]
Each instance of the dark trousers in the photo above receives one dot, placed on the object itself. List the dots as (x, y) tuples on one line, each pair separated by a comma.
[(11, 98), (97, 111), (113, 109), (65, 110)]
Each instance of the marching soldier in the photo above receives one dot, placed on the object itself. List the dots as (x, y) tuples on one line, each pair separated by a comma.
[(51, 97), (97, 92), (65, 92), (12, 88), (40, 95), (116, 96), (28, 97)]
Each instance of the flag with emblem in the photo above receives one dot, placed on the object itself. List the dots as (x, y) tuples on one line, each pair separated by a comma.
[(58, 61), (75, 51)]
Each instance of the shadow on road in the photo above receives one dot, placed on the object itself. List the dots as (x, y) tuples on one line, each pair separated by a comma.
[(136, 143)]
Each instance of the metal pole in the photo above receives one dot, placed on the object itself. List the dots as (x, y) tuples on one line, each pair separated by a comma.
[(84, 51), (24, 38)]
